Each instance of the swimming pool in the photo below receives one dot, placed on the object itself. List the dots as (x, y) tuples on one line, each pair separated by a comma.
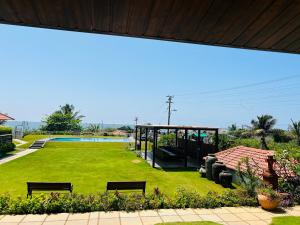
[(90, 140)]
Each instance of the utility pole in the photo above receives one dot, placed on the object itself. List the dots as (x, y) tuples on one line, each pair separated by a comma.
[(136, 120), (170, 110)]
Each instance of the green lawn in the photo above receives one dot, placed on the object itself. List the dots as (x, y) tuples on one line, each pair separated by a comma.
[(90, 165), (286, 220)]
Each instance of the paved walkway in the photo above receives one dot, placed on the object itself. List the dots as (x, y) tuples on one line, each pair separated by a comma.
[(226, 215), (17, 155)]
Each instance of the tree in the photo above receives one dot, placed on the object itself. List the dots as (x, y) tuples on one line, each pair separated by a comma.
[(64, 119), (262, 127), (232, 127), (295, 129), (94, 128)]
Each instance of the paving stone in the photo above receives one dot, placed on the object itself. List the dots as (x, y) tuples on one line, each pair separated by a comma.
[(236, 223), (93, 222), (185, 212), (151, 220), (294, 213), (220, 210), (57, 222), (3, 223), (253, 209), (109, 221), (57, 217), (108, 215), (191, 217), (129, 214), (12, 219), (257, 222), (34, 218), (229, 217), (77, 222), (247, 216), (94, 215), (297, 208), (236, 209), (131, 221), (167, 212), (171, 218), (79, 216), (31, 223), (203, 211), (264, 215), (148, 213), (210, 217)]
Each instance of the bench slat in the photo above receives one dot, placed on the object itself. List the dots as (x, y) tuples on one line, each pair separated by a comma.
[(48, 186), (126, 185)]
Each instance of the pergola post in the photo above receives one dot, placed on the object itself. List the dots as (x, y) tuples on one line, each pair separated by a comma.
[(154, 147), (217, 140), (185, 147), (135, 138), (199, 144), (176, 138), (140, 139), (146, 143)]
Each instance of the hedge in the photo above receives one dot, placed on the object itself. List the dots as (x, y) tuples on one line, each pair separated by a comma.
[(78, 203), (5, 130)]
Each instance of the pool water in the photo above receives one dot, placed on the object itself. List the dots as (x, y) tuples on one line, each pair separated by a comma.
[(90, 140)]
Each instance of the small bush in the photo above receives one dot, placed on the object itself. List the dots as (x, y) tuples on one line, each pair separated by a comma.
[(78, 203), (5, 130), (280, 136), (6, 147)]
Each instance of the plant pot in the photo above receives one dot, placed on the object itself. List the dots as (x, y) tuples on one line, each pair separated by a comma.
[(267, 203)]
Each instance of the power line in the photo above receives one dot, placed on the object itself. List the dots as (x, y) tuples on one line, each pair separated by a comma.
[(170, 110)]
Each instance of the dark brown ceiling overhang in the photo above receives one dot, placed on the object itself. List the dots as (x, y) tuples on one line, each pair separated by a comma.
[(272, 25)]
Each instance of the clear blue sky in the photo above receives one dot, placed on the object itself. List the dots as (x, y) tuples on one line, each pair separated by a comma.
[(114, 79)]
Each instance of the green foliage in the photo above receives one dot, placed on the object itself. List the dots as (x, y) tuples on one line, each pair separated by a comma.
[(295, 129), (225, 141), (78, 203), (280, 136), (269, 192), (94, 128), (5, 130), (262, 126), (65, 119), (6, 147), (167, 140), (126, 128), (247, 175)]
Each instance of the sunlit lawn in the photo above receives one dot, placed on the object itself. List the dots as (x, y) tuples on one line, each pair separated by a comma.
[(90, 165)]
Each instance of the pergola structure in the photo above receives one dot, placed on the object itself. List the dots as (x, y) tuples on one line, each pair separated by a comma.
[(156, 128), (271, 25)]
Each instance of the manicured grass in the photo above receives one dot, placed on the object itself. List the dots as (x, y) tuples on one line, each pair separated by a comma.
[(286, 220), (190, 223), (90, 165)]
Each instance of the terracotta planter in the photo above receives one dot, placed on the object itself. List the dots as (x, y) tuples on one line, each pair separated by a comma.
[(268, 203)]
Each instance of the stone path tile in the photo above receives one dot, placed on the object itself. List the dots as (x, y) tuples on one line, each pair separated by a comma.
[(31, 223), (93, 222), (151, 213), (220, 210), (131, 221), (57, 217), (111, 221), (79, 216), (184, 212), (257, 222), (167, 212), (12, 219), (247, 216), (229, 217), (109, 215), (34, 218), (253, 209), (173, 218), (237, 223), (151, 220), (129, 214), (294, 213), (237, 209), (264, 215), (203, 211), (57, 222), (210, 217), (191, 217), (77, 222), (297, 208), (94, 215), (3, 223)]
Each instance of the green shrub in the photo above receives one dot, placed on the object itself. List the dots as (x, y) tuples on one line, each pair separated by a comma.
[(78, 203), (7, 147), (5, 130), (280, 136)]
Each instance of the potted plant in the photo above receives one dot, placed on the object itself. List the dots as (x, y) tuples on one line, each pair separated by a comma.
[(268, 198)]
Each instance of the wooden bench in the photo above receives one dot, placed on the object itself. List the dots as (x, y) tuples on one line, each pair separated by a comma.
[(46, 186), (126, 185)]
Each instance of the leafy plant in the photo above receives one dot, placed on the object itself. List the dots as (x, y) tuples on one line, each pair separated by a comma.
[(6, 147), (94, 128), (248, 176), (225, 141), (5, 130), (280, 136), (268, 192), (167, 140), (262, 127), (295, 129)]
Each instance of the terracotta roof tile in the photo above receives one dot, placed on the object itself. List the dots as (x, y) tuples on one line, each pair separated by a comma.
[(5, 117)]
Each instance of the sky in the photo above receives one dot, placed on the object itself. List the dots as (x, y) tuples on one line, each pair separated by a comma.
[(114, 79)]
